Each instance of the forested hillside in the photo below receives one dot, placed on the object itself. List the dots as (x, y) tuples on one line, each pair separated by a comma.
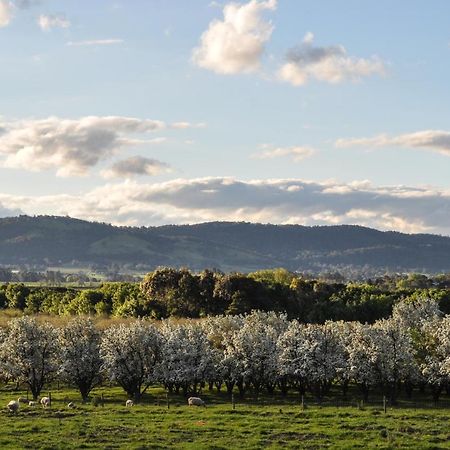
[(229, 246)]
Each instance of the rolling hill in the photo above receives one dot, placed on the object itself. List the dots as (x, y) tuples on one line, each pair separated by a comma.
[(44, 241)]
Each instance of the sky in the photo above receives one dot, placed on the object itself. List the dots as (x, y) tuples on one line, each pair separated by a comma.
[(149, 112)]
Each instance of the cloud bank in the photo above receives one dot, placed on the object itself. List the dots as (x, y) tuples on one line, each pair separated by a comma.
[(432, 140), (403, 208), (71, 147), (235, 44), (7, 212), (329, 64)]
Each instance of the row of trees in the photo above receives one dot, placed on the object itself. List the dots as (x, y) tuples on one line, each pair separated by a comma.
[(50, 277), (259, 351), (180, 293)]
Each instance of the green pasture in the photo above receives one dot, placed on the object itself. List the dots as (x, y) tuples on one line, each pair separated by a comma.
[(264, 422)]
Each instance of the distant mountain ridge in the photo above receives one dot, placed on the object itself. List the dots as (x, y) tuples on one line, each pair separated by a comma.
[(239, 246)]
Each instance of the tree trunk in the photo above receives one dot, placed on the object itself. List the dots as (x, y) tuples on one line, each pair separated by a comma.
[(230, 386), (241, 388)]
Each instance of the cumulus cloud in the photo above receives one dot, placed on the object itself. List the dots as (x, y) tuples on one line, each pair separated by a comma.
[(295, 153), (94, 42), (235, 44), (69, 146), (433, 140), (135, 165), (408, 209), (6, 12), (47, 22), (329, 64)]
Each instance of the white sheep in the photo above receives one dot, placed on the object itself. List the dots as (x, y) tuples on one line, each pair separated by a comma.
[(71, 405), (45, 402), (22, 400), (196, 401), (13, 406), (129, 403), (32, 403)]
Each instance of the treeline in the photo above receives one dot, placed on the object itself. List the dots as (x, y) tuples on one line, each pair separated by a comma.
[(58, 278), (168, 292), (410, 351)]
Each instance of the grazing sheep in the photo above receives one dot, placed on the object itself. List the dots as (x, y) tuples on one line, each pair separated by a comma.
[(196, 401), (32, 403), (129, 403), (45, 402), (13, 406), (71, 405), (22, 400)]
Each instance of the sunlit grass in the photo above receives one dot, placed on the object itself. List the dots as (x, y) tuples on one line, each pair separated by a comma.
[(267, 422)]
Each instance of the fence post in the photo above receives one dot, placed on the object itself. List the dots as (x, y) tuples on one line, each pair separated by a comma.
[(384, 404), (232, 401), (303, 402), (168, 402), (50, 398)]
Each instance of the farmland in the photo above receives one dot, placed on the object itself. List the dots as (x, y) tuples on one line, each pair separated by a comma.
[(267, 382), (266, 422)]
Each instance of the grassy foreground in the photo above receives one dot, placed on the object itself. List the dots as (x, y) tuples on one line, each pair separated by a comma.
[(266, 423)]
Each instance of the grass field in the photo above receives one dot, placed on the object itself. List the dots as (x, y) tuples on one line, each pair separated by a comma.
[(264, 423)]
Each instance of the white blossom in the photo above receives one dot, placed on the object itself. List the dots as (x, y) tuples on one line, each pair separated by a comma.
[(415, 312), (130, 354), (188, 356), (435, 366), (29, 353), (81, 364)]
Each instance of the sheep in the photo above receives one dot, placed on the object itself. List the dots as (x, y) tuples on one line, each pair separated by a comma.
[(32, 403), (129, 403), (71, 405), (22, 400), (45, 402), (196, 401), (13, 406)]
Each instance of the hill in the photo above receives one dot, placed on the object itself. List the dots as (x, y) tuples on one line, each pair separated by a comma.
[(62, 241)]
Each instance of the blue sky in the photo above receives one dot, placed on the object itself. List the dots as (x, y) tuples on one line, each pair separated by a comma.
[(150, 112)]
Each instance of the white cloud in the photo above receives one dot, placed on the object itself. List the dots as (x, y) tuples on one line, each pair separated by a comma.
[(6, 12), (235, 44), (296, 153), (329, 64), (7, 8), (135, 165), (70, 146), (186, 125), (94, 42), (47, 22), (433, 140), (403, 208)]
